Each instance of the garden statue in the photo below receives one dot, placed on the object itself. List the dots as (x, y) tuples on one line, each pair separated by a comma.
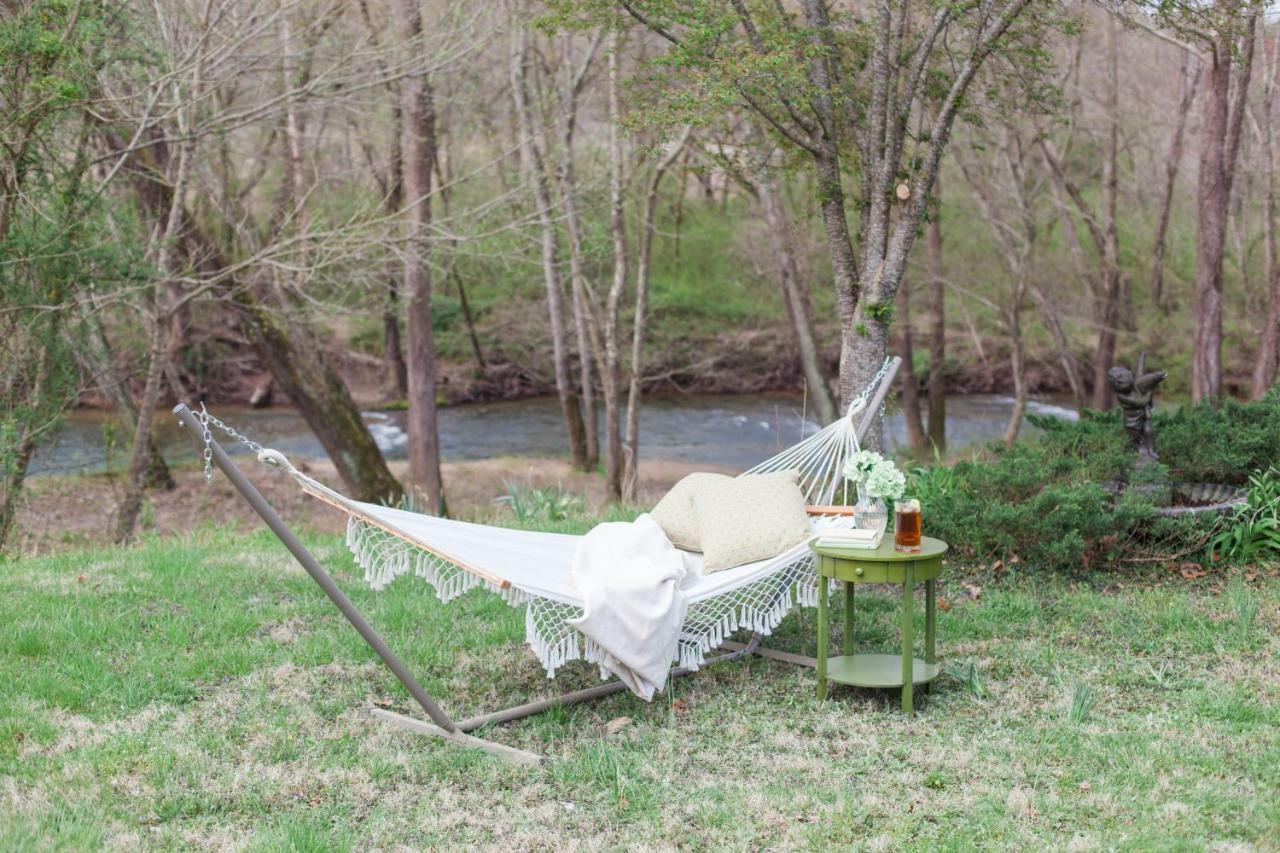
[(1135, 391)]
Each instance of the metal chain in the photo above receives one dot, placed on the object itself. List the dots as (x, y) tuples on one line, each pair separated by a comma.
[(205, 420), (870, 388)]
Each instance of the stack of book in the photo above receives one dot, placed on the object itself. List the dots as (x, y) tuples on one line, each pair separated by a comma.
[(851, 538)]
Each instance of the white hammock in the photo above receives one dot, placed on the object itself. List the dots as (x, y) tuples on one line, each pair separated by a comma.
[(529, 568)]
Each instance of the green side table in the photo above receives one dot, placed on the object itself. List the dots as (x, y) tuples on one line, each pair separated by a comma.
[(883, 565)]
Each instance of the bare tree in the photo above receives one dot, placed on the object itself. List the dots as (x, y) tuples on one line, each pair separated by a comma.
[(1228, 66), (417, 144), (1101, 226), (610, 371), (1190, 79), (1264, 372), (631, 446), (906, 41), (534, 157), (937, 331), (1008, 190)]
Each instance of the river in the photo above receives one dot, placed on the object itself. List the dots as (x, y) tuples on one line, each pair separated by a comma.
[(731, 430)]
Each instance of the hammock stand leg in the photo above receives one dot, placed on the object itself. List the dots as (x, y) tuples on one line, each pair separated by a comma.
[(444, 726), (529, 709)]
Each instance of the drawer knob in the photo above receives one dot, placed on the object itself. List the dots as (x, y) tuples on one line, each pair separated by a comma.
[(858, 572)]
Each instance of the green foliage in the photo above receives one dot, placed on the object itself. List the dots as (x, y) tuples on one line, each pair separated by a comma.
[(1050, 504), (1253, 531), (1223, 444), (1083, 700), (530, 504)]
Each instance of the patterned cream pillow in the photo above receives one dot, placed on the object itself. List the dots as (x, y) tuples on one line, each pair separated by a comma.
[(675, 515), (750, 518)]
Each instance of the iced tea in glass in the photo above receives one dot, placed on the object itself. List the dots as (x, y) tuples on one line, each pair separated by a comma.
[(906, 529)]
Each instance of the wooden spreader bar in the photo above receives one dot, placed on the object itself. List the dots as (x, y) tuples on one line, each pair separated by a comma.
[(441, 725)]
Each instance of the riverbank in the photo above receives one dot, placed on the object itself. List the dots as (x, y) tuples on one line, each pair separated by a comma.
[(67, 512)]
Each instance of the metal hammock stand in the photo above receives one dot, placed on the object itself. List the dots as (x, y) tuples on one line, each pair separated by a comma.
[(441, 724)]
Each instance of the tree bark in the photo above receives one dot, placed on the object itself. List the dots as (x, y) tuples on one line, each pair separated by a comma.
[(1220, 138), (937, 332), (916, 442), (131, 504), (1109, 313), (417, 142), (631, 445), (576, 78), (1264, 372), (1017, 363), (391, 311), (11, 483), (609, 373)]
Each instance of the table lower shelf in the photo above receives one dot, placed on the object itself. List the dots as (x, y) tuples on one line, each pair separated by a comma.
[(878, 670)]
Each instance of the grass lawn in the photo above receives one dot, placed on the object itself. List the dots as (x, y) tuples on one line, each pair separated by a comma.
[(200, 691)]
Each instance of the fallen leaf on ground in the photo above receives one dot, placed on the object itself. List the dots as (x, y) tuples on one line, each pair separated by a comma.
[(1086, 785), (680, 706), (943, 603), (975, 591), (617, 724)]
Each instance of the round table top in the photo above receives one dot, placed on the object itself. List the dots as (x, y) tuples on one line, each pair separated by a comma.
[(885, 553)]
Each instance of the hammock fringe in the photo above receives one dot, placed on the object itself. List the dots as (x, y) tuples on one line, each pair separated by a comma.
[(759, 606)]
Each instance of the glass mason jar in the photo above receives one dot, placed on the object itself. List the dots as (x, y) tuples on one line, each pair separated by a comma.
[(870, 513)]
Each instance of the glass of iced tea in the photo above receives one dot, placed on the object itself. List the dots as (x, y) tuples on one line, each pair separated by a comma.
[(906, 528)]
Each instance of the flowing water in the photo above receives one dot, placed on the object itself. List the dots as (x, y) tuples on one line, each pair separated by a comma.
[(731, 430)]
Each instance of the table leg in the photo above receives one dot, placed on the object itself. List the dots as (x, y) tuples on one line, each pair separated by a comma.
[(822, 636), (930, 623), (848, 617), (908, 635)]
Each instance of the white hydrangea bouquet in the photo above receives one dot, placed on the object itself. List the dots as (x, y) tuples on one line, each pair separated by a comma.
[(876, 479), (875, 476)]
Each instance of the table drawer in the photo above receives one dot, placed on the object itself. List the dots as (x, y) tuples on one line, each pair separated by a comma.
[(869, 572)]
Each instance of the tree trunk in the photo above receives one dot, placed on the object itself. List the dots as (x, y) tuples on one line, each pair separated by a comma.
[(294, 358), (609, 373), (533, 156), (1017, 362), (131, 504), (576, 77), (844, 268), (937, 333), (391, 336), (168, 262), (1173, 162), (1109, 309), (391, 311), (796, 296), (1264, 372), (631, 448), (12, 478), (1220, 137), (916, 442), (13, 474), (417, 142), (97, 361), (1050, 315)]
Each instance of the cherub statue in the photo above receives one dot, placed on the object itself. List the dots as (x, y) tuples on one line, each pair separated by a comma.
[(1135, 391)]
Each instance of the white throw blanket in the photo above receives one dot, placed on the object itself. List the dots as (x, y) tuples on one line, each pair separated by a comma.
[(630, 578)]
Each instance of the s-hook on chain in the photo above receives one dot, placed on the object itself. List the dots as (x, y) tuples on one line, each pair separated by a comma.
[(205, 420)]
